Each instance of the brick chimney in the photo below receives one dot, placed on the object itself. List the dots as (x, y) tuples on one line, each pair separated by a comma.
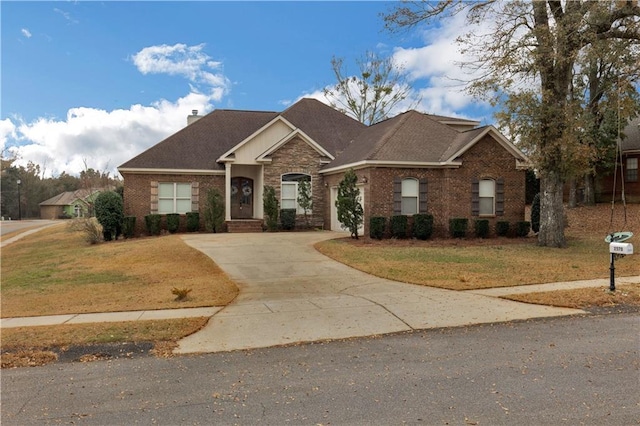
[(193, 117)]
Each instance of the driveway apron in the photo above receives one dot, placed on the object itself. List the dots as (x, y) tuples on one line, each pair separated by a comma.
[(291, 293)]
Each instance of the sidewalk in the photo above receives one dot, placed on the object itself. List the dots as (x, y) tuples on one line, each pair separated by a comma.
[(108, 317)]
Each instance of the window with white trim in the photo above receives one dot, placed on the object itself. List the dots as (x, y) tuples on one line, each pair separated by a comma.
[(289, 190), (410, 192), (631, 173), (174, 197), (487, 194)]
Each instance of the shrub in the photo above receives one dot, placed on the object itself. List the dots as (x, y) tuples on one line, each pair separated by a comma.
[(173, 222), (109, 212), (422, 226), (90, 227), (481, 228), (535, 213), (502, 228), (129, 226), (193, 221), (523, 228), (398, 225), (180, 293), (532, 186), (458, 227), (152, 222), (288, 219), (348, 203), (271, 207), (214, 211), (377, 224)]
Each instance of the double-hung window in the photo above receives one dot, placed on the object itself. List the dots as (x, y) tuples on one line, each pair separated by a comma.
[(289, 190), (174, 197), (631, 174), (410, 191), (487, 193)]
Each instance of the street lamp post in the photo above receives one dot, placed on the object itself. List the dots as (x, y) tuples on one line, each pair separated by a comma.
[(19, 201)]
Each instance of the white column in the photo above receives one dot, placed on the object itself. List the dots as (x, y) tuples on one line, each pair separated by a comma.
[(227, 191)]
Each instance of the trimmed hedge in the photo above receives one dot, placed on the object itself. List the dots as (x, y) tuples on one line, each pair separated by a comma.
[(152, 222), (399, 225), (422, 226), (458, 227), (523, 228), (288, 219), (128, 226), (502, 228), (481, 228), (377, 225), (193, 221), (173, 222)]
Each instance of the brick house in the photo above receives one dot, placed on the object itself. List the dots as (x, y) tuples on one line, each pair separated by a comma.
[(412, 163), (628, 168)]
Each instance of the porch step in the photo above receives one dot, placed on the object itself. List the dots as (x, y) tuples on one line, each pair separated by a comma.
[(247, 225)]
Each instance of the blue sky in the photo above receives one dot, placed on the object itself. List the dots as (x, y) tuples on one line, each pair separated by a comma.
[(99, 82)]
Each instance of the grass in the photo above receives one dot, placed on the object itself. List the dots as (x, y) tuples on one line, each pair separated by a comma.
[(456, 266), (475, 264), (583, 298), (31, 346), (55, 272)]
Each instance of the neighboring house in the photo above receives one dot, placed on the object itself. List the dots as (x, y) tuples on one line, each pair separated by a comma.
[(68, 204), (627, 169), (412, 163)]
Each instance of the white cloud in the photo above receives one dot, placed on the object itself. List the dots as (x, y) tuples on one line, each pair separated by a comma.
[(25, 32), (190, 62), (105, 139)]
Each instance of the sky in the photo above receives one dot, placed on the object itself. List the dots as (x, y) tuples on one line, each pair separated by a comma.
[(93, 84)]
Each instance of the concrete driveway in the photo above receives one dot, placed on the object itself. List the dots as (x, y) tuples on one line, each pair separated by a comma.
[(291, 293)]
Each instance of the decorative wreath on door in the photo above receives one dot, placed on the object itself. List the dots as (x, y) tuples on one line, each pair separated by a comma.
[(234, 190), (246, 190)]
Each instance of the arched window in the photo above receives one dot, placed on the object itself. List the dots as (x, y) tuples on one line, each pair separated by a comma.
[(410, 193), (290, 185)]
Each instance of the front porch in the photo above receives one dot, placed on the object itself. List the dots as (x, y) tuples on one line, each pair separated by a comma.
[(244, 225)]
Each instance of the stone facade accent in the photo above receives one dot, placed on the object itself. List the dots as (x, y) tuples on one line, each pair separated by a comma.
[(297, 156)]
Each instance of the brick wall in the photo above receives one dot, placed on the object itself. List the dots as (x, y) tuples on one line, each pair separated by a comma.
[(297, 156), (448, 190), (137, 194)]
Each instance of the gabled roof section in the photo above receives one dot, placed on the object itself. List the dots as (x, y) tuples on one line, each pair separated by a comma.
[(466, 140), (296, 133), (413, 138), (198, 146), (331, 129)]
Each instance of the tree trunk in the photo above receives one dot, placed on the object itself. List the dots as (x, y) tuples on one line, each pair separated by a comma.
[(589, 190), (573, 202), (551, 211)]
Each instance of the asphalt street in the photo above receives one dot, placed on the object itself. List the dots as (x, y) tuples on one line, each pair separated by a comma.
[(564, 370)]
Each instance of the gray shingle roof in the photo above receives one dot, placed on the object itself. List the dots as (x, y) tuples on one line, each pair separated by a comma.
[(67, 198), (200, 144), (408, 137)]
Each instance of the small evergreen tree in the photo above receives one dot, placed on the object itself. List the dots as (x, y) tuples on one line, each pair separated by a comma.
[(214, 211), (304, 199), (350, 211), (110, 213), (271, 207)]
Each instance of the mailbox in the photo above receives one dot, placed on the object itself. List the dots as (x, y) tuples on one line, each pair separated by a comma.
[(621, 248)]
